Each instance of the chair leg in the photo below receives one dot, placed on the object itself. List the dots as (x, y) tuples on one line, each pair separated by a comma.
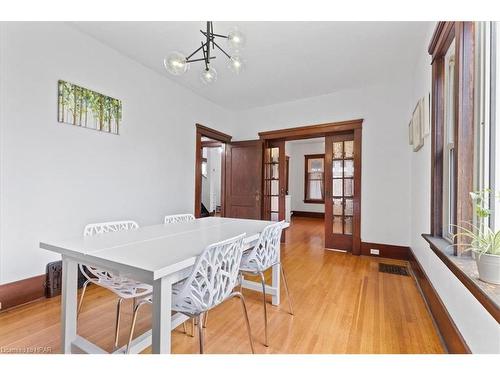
[(245, 313), (132, 328), (263, 281), (201, 333), (81, 297), (241, 278), (118, 314), (286, 289), (192, 326), (205, 319), (184, 327)]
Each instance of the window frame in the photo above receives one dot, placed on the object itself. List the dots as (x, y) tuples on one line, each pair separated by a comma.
[(306, 178), (449, 127), (462, 33), (461, 264)]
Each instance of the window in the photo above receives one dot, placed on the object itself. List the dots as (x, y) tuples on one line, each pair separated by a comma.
[(314, 191), (453, 146), (449, 180)]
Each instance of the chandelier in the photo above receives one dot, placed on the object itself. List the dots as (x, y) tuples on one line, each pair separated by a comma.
[(177, 64)]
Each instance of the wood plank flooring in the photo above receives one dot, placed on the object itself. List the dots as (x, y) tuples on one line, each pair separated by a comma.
[(342, 305)]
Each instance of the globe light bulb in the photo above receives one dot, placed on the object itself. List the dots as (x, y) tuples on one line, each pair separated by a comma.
[(208, 76), (176, 64), (236, 64), (236, 39)]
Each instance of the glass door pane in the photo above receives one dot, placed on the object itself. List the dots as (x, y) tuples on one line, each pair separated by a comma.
[(339, 206), (274, 196)]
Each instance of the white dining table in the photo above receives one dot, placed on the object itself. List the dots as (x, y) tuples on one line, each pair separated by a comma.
[(159, 255)]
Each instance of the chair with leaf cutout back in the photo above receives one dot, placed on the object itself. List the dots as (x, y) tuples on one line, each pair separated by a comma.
[(211, 282), (264, 255), (123, 287)]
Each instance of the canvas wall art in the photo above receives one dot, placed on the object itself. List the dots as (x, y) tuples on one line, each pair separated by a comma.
[(88, 109), (419, 126)]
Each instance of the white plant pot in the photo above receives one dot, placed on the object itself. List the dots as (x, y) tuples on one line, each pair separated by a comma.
[(489, 267)]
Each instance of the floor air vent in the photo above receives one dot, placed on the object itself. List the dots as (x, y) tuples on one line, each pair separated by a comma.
[(393, 268)]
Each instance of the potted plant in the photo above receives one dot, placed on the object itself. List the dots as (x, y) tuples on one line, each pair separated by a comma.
[(484, 241)]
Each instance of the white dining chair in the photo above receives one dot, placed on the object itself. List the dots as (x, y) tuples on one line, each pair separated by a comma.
[(181, 218), (264, 255), (123, 287), (211, 282)]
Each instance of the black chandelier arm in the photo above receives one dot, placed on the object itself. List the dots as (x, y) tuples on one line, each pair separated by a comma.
[(213, 34), (194, 53), (201, 59), (191, 55), (206, 58), (220, 48), (209, 24)]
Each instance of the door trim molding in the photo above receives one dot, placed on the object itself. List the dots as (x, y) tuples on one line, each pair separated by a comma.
[(204, 131)]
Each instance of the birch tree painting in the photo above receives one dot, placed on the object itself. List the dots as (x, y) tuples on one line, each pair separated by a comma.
[(89, 109)]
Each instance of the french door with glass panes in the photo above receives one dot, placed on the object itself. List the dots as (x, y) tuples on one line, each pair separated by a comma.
[(343, 191), (274, 181)]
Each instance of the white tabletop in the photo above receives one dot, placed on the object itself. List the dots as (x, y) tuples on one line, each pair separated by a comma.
[(156, 250)]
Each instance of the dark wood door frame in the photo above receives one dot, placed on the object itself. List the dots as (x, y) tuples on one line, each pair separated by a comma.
[(311, 131), (322, 130), (203, 131)]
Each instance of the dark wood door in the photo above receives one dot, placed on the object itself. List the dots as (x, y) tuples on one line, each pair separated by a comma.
[(244, 179), (343, 191)]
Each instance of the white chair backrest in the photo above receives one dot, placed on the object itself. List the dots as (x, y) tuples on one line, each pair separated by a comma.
[(266, 252), (213, 278), (99, 228), (172, 219), (110, 226)]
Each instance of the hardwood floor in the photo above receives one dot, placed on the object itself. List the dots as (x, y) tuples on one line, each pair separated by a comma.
[(342, 305)]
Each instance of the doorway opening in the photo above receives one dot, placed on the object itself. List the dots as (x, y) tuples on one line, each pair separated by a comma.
[(210, 172), (305, 182), (211, 177), (331, 183)]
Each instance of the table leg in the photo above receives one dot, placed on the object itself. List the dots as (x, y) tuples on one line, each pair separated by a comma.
[(162, 310), (68, 303), (276, 284)]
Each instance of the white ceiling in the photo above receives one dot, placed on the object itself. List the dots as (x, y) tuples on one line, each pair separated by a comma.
[(284, 60)]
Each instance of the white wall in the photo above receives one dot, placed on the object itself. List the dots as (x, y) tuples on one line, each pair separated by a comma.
[(479, 329), (55, 178), (385, 193), (296, 151)]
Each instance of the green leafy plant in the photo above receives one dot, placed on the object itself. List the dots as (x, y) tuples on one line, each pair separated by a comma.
[(481, 238)]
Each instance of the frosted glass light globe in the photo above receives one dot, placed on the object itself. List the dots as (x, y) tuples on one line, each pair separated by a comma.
[(236, 39), (236, 64), (176, 64), (208, 76)]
